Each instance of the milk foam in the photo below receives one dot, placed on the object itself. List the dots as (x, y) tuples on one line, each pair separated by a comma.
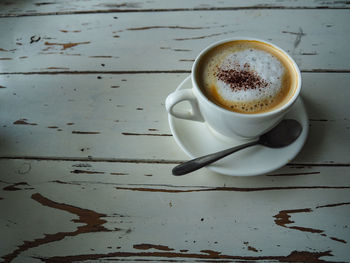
[(263, 64)]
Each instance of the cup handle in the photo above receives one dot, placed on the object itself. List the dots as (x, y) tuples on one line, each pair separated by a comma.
[(184, 95)]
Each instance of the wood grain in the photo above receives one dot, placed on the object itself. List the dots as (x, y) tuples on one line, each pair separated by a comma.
[(86, 151), (101, 214), (106, 42), (50, 7), (86, 116)]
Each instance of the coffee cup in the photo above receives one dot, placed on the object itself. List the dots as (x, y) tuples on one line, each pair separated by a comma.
[(241, 88)]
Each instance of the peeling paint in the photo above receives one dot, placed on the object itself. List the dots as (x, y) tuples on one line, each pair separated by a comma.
[(293, 174), (85, 172), (88, 222), (294, 256), (13, 187), (165, 27), (119, 174), (68, 31), (283, 219), (202, 37), (66, 45), (57, 68), (228, 189), (151, 246), (24, 122), (82, 132), (100, 56), (146, 134)]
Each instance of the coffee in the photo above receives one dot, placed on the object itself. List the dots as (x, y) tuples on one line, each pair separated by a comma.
[(247, 76)]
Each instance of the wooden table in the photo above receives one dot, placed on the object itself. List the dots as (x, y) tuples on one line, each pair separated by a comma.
[(86, 151)]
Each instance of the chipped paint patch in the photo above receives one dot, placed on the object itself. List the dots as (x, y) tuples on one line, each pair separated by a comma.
[(283, 219), (294, 256), (82, 132), (13, 187), (151, 246), (23, 122), (57, 68), (66, 45), (77, 171), (145, 134), (165, 27), (119, 174), (88, 221)]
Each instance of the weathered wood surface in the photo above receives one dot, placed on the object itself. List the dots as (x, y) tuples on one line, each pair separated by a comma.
[(67, 211), (51, 7), (168, 41), (122, 117), (86, 151)]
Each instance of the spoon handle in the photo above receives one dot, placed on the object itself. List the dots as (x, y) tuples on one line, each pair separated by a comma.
[(200, 162)]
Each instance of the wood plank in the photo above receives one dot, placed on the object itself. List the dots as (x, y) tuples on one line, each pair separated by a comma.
[(39, 7), (136, 212), (110, 116), (114, 42)]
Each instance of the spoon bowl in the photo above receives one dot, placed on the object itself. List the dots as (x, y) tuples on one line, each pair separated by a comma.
[(285, 133)]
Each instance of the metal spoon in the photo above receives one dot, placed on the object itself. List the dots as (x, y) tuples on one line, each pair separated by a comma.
[(286, 132)]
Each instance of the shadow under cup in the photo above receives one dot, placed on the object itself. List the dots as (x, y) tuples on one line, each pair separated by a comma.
[(220, 115)]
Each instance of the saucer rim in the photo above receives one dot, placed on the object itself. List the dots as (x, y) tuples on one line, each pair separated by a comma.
[(300, 141)]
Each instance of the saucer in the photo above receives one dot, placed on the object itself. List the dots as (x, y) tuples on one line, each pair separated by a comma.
[(196, 139)]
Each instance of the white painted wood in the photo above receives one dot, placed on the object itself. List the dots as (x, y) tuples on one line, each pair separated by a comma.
[(37, 7), (143, 204), (86, 152), (126, 117), (142, 41)]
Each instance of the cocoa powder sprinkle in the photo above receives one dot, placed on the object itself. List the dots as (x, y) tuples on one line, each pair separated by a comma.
[(242, 79)]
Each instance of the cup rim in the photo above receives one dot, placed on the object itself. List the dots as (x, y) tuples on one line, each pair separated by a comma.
[(250, 115)]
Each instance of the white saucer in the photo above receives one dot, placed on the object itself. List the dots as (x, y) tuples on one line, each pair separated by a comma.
[(196, 139)]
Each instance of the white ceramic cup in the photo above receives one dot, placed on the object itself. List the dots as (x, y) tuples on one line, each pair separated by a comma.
[(222, 121)]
